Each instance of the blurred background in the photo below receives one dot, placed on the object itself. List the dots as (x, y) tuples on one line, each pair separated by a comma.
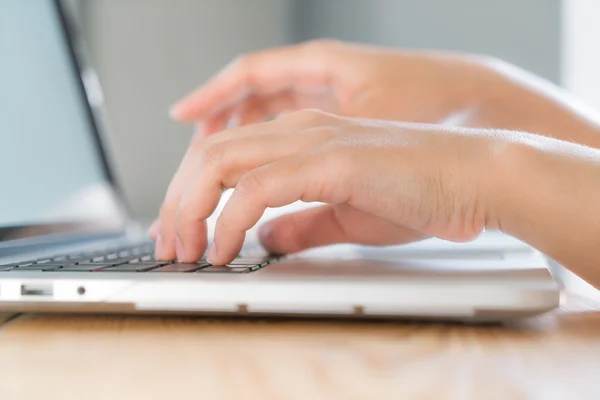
[(149, 53)]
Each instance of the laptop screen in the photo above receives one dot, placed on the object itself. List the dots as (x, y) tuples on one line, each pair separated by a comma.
[(51, 168)]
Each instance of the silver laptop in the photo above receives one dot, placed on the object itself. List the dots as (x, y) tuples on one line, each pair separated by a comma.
[(67, 242)]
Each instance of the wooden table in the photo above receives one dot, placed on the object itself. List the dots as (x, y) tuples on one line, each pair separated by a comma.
[(555, 356)]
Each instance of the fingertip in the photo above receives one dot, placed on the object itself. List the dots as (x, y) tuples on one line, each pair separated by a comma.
[(177, 111), (164, 248), (189, 108), (220, 256), (213, 255)]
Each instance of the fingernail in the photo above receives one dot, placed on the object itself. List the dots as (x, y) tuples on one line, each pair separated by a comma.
[(158, 250), (179, 249), (175, 111), (212, 254)]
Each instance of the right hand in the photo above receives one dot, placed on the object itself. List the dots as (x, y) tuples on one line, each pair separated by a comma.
[(345, 79), (383, 183)]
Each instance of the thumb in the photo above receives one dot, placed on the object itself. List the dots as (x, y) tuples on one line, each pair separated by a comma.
[(302, 230), (331, 224)]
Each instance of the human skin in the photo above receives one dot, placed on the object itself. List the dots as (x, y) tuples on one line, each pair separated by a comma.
[(397, 181)]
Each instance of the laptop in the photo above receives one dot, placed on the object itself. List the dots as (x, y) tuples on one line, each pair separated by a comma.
[(68, 242)]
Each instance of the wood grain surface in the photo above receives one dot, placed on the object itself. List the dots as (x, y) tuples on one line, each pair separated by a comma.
[(555, 356)]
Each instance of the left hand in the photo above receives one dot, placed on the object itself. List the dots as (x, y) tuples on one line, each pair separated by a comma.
[(384, 183)]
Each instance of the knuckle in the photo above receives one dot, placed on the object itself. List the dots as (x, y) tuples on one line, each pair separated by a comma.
[(197, 143), (187, 219), (310, 116), (244, 62), (323, 45), (251, 184), (212, 155), (242, 65)]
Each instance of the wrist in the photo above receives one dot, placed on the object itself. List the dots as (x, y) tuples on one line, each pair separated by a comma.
[(544, 192), (512, 98), (525, 175), (507, 187)]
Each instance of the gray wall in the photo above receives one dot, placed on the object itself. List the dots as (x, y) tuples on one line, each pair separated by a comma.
[(151, 52), (525, 32)]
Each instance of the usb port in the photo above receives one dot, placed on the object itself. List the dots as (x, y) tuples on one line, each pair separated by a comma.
[(37, 290)]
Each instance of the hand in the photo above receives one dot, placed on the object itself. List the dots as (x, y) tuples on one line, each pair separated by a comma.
[(346, 79), (369, 82), (383, 182)]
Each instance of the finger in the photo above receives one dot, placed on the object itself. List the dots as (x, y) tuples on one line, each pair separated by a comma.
[(216, 123), (169, 244), (251, 111), (331, 224), (308, 178), (166, 235), (259, 107), (222, 167), (300, 65), (166, 247), (302, 230), (270, 105), (205, 154)]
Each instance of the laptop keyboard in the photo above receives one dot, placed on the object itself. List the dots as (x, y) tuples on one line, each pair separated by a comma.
[(139, 258)]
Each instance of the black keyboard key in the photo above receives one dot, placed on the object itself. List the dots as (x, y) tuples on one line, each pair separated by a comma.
[(38, 267), (225, 269), (111, 263), (138, 258), (252, 261), (125, 260), (26, 263), (85, 268), (137, 267), (181, 267)]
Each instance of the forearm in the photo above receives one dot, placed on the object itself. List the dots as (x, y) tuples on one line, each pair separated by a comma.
[(548, 195), (517, 100)]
